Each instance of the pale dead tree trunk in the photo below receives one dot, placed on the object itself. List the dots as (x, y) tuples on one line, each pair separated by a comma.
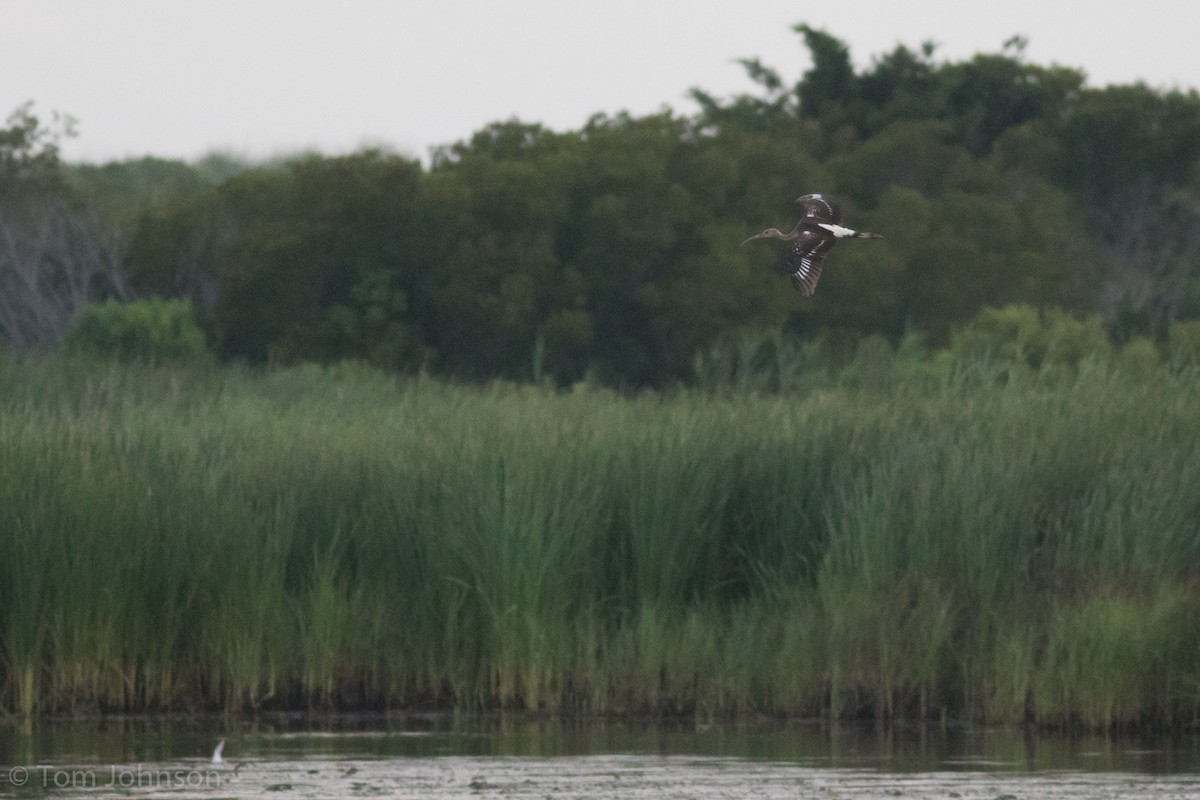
[(54, 258), (1182, 257), (196, 269), (1153, 239), (1129, 240)]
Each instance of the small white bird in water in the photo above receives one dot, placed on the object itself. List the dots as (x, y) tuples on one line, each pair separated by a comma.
[(216, 757)]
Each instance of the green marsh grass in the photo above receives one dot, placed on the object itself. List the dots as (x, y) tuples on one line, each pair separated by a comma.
[(932, 545)]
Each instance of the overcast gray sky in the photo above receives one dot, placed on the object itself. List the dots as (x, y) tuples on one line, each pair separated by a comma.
[(177, 78)]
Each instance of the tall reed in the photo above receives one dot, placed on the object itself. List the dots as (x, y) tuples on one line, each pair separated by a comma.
[(206, 537)]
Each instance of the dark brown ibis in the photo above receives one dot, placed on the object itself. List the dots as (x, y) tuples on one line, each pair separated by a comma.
[(814, 236)]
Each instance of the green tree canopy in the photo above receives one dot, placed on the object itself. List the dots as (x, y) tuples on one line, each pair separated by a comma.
[(612, 250)]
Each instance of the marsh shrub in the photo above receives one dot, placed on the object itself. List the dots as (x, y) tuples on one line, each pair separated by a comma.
[(1183, 345), (1008, 335), (1139, 358), (1067, 340), (141, 330), (1019, 336)]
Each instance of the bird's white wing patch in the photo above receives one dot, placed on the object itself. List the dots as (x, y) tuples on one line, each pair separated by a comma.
[(808, 272), (837, 230)]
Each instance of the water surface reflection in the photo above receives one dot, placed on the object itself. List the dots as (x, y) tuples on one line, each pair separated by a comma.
[(446, 756)]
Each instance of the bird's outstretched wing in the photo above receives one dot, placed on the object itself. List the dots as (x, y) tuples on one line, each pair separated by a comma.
[(806, 256), (820, 208)]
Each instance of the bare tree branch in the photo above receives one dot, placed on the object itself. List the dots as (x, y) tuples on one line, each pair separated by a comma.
[(1153, 238), (54, 258)]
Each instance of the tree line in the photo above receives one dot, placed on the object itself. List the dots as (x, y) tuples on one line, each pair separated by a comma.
[(611, 251)]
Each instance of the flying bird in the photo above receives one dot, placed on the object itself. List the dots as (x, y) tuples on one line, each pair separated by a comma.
[(814, 236)]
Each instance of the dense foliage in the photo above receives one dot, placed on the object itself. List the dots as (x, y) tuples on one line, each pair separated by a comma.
[(144, 330), (998, 532), (612, 251)]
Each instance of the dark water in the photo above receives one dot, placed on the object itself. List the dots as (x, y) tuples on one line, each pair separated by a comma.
[(441, 757)]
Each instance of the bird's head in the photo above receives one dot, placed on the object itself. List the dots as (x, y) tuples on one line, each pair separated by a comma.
[(769, 233)]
